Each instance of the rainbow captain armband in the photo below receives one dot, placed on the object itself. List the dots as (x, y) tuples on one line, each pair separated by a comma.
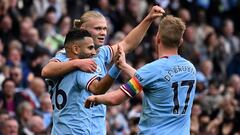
[(132, 87)]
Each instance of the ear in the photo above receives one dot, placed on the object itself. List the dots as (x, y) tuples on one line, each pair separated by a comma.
[(75, 49), (158, 40), (181, 42), (83, 26)]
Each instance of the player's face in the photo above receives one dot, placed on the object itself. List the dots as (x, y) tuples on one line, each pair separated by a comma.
[(97, 27), (87, 48)]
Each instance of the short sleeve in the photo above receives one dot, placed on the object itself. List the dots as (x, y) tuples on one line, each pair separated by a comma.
[(136, 84), (145, 75), (85, 79), (105, 53), (60, 56)]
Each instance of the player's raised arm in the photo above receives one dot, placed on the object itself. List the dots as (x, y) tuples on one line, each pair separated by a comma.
[(122, 64), (133, 39), (100, 87), (62, 68)]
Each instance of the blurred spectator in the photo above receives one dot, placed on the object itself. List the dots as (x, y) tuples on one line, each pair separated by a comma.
[(132, 14), (195, 121), (214, 51), (37, 63), (2, 65), (6, 31), (184, 15), (45, 110), (24, 115), (233, 66), (15, 62), (202, 28), (47, 24), (15, 14), (206, 69), (10, 127), (15, 44), (24, 7), (3, 8), (39, 8), (60, 7), (230, 116), (35, 90), (36, 125), (55, 42), (75, 8), (188, 48), (234, 84), (3, 117), (34, 46), (17, 76), (25, 25), (230, 41), (211, 100), (10, 98), (118, 36)]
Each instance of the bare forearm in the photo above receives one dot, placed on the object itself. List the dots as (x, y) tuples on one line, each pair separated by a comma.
[(134, 38), (112, 98), (56, 69), (128, 70), (101, 87)]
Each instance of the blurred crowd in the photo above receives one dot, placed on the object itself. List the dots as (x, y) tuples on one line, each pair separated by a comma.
[(32, 31)]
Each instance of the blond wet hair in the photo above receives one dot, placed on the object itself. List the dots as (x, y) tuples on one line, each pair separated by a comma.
[(77, 23)]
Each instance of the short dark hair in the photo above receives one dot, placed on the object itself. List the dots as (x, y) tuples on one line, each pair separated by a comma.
[(76, 34)]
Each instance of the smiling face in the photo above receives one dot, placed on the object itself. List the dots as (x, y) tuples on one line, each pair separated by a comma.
[(86, 48), (97, 27), (79, 44)]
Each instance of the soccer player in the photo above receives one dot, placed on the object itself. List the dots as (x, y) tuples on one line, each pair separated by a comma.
[(69, 92), (95, 23), (168, 85)]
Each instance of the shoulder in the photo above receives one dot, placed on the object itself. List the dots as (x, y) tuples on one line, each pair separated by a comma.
[(60, 56), (105, 48), (147, 71)]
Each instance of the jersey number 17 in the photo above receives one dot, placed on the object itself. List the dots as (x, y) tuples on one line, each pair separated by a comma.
[(175, 87)]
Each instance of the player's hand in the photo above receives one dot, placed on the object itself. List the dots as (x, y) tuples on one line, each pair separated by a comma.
[(155, 12), (121, 59), (86, 65), (91, 101)]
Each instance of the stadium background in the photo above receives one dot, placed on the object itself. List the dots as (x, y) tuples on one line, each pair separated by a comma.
[(31, 31)]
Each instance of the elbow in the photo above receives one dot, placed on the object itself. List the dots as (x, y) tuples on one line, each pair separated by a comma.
[(96, 91), (44, 72)]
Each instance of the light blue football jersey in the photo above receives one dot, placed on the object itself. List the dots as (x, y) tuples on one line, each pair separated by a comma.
[(73, 117), (169, 86)]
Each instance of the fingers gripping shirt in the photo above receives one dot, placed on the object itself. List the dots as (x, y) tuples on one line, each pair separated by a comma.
[(132, 87)]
